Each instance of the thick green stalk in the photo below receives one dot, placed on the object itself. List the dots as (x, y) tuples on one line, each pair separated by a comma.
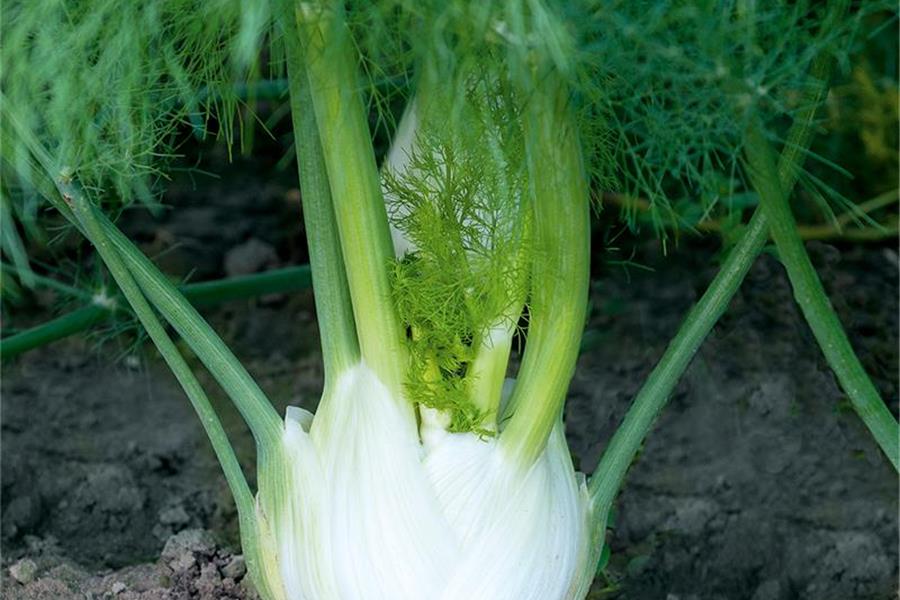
[(254, 406), (205, 293), (334, 309), (340, 115), (243, 498), (813, 301), (250, 401), (625, 443), (559, 275)]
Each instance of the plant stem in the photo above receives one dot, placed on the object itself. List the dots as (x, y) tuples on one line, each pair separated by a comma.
[(488, 371), (813, 301), (264, 423), (276, 281), (624, 445), (51, 331), (206, 293), (53, 284), (340, 115), (560, 274), (626, 441), (334, 309), (91, 224), (254, 406)]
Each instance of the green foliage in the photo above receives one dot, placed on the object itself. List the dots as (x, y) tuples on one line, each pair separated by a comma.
[(461, 204), (103, 85), (665, 88)]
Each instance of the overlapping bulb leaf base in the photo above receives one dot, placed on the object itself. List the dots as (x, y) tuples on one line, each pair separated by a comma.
[(371, 512)]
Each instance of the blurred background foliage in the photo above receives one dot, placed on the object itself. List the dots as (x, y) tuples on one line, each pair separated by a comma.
[(124, 94)]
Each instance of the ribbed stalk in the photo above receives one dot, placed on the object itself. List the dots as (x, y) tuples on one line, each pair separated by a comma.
[(334, 309), (91, 224), (331, 66), (559, 275), (813, 301)]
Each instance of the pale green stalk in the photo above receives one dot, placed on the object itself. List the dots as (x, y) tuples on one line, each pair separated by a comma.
[(334, 310), (340, 115), (488, 371), (559, 275), (91, 224), (813, 301)]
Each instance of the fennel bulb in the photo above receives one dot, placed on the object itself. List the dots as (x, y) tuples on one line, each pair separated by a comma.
[(372, 513)]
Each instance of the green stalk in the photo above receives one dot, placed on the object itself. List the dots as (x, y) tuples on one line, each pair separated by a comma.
[(276, 281), (251, 402), (53, 284), (653, 395), (264, 423), (559, 275), (813, 301), (488, 371), (254, 406), (204, 293), (625, 443), (359, 208), (237, 484), (334, 309), (51, 331)]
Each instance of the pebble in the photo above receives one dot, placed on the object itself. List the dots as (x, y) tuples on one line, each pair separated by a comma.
[(235, 569), (23, 571)]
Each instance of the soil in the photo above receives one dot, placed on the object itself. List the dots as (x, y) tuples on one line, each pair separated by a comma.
[(758, 482)]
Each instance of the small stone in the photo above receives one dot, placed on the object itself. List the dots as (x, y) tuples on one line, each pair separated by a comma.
[(236, 568), (180, 549), (23, 571), (118, 587)]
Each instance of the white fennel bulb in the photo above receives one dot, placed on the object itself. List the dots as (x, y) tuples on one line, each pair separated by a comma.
[(370, 513)]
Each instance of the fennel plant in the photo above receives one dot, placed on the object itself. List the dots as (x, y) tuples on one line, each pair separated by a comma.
[(425, 472)]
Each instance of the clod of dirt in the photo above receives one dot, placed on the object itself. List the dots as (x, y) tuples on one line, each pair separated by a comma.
[(23, 571), (181, 550), (771, 589), (192, 567), (235, 569)]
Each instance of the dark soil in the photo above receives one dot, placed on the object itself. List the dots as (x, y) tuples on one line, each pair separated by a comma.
[(759, 482)]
